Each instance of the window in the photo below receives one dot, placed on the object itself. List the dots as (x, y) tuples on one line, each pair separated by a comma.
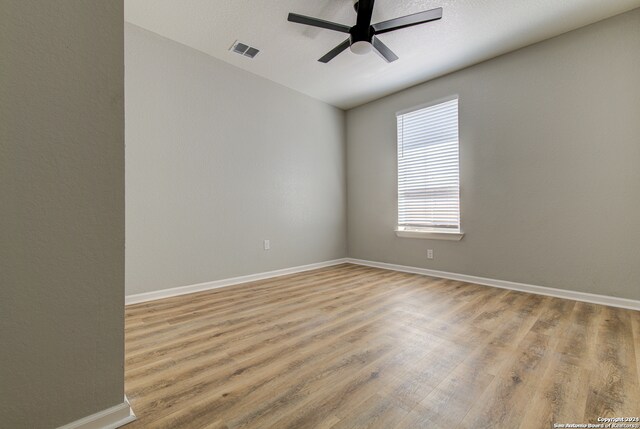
[(428, 172)]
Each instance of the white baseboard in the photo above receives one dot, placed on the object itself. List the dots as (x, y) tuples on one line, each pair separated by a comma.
[(111, 418), (503, 284), (183, 290)]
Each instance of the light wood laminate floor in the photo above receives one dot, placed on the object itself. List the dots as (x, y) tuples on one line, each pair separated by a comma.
[(358, 347)]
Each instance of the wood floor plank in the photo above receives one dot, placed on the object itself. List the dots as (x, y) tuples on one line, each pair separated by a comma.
[(265, 364), (236, 328), (235, 307), (580, 340), (351, 346), (561, 396), (377, 412), (345, 395), (270, 395), (311, 338), (613, 383), (635, 326), (450, 401), (505, 401)]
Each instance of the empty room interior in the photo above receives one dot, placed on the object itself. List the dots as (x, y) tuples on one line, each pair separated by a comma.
[(330, 214)]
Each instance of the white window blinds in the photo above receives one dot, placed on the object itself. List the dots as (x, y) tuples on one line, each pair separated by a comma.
[(428, 168)]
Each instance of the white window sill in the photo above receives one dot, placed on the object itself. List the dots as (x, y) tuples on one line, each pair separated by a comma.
[(430, 234)]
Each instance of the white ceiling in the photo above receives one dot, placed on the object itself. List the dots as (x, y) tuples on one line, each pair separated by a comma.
[(469, 32)]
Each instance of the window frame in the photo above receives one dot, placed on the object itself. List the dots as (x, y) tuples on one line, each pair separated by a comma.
[(429, 232)]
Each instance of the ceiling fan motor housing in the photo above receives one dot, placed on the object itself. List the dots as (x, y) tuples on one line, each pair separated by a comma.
[(361, 35)]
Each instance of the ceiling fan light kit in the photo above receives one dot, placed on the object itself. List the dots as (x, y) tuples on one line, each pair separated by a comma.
[(361, 47), (363, 36)]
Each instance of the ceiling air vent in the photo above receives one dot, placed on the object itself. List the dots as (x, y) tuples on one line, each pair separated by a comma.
[(244, 49)]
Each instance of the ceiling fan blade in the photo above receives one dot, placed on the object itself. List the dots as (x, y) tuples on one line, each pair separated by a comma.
[(365, 12), (407, 21), (383, 50), (315, 22), (335, 51)]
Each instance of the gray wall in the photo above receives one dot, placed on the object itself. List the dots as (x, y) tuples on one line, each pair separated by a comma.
[(550, 166), (217, 160), (61, 211)]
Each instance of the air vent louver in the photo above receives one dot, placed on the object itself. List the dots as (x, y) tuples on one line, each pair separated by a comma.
[(244, 49)]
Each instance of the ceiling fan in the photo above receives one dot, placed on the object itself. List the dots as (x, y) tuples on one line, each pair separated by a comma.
[(362, 36)]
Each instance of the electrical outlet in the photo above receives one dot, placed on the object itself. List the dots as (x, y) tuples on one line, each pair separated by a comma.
[(429, 253), (267, 245)]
